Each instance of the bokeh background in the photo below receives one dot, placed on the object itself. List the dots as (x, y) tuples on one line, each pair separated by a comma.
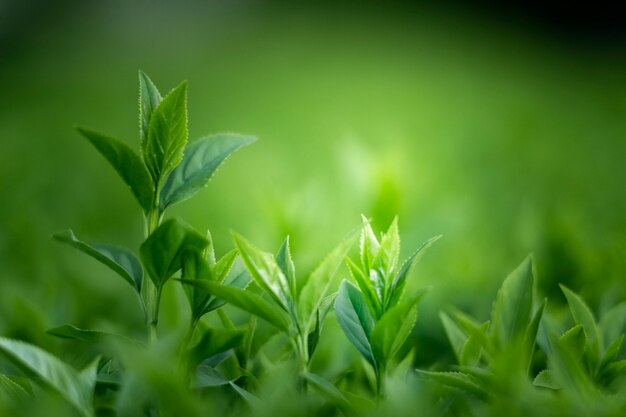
[(502, 128)]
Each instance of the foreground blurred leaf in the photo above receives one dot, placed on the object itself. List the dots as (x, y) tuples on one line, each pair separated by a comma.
[(163, 250), (11, 391), (68, 331), (75, 387), (583, 316), (328, 390), (214, 341), (127, 164), (458, 380), (201, 159), (355, 319), (119, 259)]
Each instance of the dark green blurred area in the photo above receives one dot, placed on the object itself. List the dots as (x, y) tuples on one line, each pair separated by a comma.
[(502, 138)]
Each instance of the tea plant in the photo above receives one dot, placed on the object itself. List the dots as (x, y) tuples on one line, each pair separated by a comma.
[(374, 316)]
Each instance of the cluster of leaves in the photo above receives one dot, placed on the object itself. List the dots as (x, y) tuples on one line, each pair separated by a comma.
[(521, 359)]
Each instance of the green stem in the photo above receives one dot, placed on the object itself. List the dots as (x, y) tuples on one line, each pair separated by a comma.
[(150, 294), (381, 382)]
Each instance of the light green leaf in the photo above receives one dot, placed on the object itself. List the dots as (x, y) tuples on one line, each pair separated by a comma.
[(583, 316), (565, 365), (196, 267), (265, 271), (207, 376), (224, 265), (69, 331), (355, 319), (393, 328), (369, 244), (328, 390), (246, 300), (397, 285), (612, 352), (286, 265), (119, 259), (162, 252), (473, 346), (368, 291), (456, 335), (149, 99), (613, 322), (127, 164), (75, 387), (531, 333), (167, 134), (201, 160), (320, 281), (387, 256), (238, 279), (546, 379), (513, 306), (11, 391)]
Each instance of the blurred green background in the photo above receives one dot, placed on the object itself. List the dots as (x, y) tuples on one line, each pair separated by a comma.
[(507, 137)]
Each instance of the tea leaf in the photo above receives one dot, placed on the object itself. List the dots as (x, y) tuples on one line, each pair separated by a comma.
[(246, 300), (74, 386), (214, 341), (119, 259), (459, 381), (583, 316), (149, 99), (328, 390), (531, 333), (127, 164), (513, 305), (69, 331), (162, 252), (239, 279), (393, 328), (11, 391), (389, 250), (546, 379), (368, 291), (355, 318), (456, 336), (201, 159), (167, 134), (397, 285), (286, 265), (207, 376), (613, 322), (320, 280)]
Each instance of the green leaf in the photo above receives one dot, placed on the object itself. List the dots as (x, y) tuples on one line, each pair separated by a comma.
[(320, 281), (207, 376), (459, 381), (531, 333), (196, 267), (265, 271), (612, 352), (214, 341), (75, 387), (167, 134), (119, 259), (473, 346), (565, 365), (201, 159), (328, 390), (127, 164), (224, 265), (320, 316), (393, 328), (513, 306), (583, 316), (368, 291), (286, 265), (11, 391), (355, 319), (456, 336), (149, 99), (162, 252), (397, 285), (69, 331), (546, 379), (575, 341), (389, 250), (239, 279), (613, 322), (369, 244), (246, 300)]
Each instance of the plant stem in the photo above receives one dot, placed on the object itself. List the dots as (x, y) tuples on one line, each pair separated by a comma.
[(381, 382), (150, 294)]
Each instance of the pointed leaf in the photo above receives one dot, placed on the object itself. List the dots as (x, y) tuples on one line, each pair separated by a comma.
[(321, 279), (387, 256), (545, 379), (149, 99), (68, 331), (75, 387), (119, 259), (459, 381), (214, 341), (286, 265), (328, 390), (201, 160), (393, 328), (397, 285), (513, 306), (246, 300), (355, 318), (456, 336), (367, 289), (167, 134), (238, 279), (583, 316), (613, 323), (531, 333), (127, 164), (162, 252)]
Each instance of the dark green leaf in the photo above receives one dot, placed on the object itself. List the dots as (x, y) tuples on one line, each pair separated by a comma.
[(214, 341), (167, 134), (531, 333), (127, 164), (355, 318), (201, 160), (207, 376), (162, 252), (11, 391), (237, 279), (119, 259), (75, 387)]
